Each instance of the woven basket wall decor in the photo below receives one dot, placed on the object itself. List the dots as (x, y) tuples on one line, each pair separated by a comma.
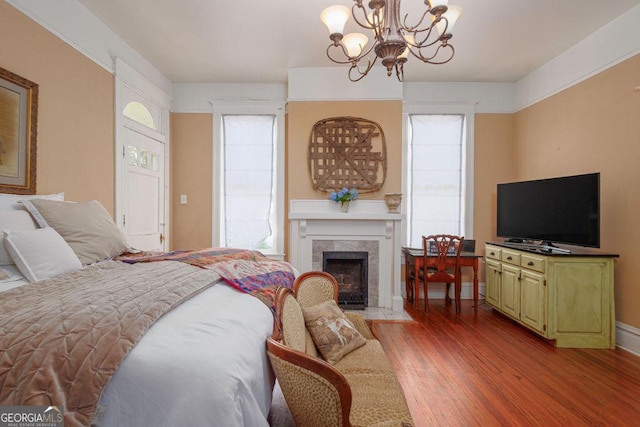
[(347, 152)]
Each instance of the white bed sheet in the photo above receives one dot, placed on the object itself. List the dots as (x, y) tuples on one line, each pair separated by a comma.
[(203, 363), (11, 277)]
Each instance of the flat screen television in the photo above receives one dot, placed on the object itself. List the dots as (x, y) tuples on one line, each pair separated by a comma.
[(556, 210)]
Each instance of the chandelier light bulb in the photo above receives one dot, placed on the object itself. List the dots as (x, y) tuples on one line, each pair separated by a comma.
[(452, 14), (334, 17), (437, 3), (354, 43), (409, 39)]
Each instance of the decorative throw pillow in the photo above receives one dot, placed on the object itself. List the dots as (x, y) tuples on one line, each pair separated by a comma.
[(40, 254), (334, 335), (33, 211), (86, 226), (13, 220)]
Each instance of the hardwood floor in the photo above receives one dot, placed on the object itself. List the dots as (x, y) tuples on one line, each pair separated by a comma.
[(481, 369)]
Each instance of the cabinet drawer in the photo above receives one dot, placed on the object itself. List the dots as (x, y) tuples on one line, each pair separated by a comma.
[(510, 257), (492, 252), (532, 262)]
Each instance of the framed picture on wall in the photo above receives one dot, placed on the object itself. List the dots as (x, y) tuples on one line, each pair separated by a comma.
[(18, 133)]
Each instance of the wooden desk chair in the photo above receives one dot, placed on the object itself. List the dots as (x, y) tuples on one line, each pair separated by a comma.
[(441, 265)]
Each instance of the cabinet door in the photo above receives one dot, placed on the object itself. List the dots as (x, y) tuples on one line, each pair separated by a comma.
[(510, 291), (533, 298), (583, 314), (492, 282)]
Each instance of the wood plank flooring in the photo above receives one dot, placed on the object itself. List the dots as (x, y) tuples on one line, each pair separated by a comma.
[(482, 369)]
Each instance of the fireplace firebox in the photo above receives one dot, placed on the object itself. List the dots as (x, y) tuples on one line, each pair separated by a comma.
[(350, 269)]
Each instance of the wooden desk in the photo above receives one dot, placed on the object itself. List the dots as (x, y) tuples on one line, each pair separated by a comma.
[(413, 259)]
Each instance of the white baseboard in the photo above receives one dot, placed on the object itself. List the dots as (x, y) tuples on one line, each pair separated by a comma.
[(397, 304), (628, 338)]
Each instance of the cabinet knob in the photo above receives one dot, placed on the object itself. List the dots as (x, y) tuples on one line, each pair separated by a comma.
[(493, 253), (509, 258), (530, 263)]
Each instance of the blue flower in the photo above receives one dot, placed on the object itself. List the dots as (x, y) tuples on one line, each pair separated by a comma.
[(344, 195)]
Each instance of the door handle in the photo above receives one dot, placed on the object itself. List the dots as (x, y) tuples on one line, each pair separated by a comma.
[(161, 238)]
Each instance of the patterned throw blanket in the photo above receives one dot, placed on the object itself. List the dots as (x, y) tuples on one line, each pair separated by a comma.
[(246, 270)]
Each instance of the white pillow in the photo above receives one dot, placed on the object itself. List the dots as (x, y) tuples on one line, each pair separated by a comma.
[(40, 254), (13, 220), (10, 202), (86, 226)]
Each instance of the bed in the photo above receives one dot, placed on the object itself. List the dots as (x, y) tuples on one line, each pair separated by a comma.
[(186, 332)]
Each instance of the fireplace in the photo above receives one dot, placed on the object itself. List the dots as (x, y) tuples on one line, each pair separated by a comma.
[(351, 270), (317, 226)]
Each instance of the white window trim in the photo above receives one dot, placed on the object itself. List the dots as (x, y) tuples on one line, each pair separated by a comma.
[(223, 107), (468, 110)]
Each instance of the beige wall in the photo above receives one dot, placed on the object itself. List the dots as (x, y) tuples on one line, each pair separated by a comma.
[(493, 163), (191, 174), (76, 110), (594, 127)]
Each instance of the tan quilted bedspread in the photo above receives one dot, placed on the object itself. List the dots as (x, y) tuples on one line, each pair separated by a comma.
[(62, 339)]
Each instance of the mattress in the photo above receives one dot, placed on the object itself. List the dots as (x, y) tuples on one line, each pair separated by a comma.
[(202, 363)]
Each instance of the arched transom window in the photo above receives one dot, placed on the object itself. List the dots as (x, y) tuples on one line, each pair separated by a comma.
[(139, 113)]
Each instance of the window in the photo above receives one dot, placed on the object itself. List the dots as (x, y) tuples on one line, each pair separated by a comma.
[(139, 113), (248, 204), (248, 183), (438, 180)]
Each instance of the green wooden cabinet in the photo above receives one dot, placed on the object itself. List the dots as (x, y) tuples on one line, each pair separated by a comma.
[(563, 297)]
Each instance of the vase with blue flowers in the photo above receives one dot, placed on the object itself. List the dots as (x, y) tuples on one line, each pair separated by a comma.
[(344, 197)]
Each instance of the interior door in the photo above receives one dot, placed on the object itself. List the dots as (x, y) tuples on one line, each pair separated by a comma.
[(143, 189)]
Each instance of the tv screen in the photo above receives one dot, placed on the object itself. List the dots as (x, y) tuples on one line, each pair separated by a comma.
[(560, 210)]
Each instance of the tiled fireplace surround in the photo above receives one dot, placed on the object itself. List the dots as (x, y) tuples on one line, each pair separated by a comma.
[(319, 225)]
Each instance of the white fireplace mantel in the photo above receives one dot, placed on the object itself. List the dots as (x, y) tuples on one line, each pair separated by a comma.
[(316, 222)]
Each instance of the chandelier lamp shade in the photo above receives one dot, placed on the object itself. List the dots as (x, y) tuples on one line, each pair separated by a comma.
[(427, 37)]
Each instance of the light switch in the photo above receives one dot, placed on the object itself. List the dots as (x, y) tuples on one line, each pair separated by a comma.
[(183, 199)]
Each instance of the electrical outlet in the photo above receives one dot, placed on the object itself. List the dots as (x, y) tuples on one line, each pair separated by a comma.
[(183, 199)]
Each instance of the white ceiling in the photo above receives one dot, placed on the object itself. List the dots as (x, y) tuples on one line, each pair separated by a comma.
[(253, 41)]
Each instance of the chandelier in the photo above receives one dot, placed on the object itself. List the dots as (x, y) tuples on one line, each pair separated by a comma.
[(427, 39)]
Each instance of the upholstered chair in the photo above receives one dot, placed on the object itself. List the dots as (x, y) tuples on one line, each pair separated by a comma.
[(314, 287)]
